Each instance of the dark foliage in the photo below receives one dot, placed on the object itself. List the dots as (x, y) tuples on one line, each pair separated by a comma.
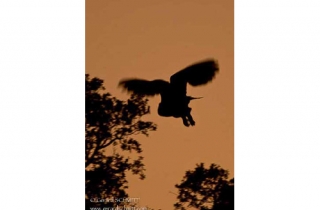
[(206, 189), (110, 129)]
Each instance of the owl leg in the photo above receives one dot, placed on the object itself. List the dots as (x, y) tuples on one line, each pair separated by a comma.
[(185, 121), (190, 118), (192, 122)]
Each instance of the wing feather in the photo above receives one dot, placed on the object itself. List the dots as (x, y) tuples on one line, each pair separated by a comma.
[(197, 74), (143, 87)]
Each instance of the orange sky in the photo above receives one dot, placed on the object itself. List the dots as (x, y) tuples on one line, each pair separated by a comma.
[(154, 39)]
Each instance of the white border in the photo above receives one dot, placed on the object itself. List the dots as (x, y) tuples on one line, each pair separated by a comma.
[(276, 104), (42, 104)]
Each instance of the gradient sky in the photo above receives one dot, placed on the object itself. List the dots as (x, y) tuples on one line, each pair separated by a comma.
[(154, 39)]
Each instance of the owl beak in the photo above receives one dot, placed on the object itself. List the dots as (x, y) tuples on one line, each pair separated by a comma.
[(191, 98)]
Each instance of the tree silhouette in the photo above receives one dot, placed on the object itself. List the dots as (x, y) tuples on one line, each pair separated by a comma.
[(110, 128), (206, 189)]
